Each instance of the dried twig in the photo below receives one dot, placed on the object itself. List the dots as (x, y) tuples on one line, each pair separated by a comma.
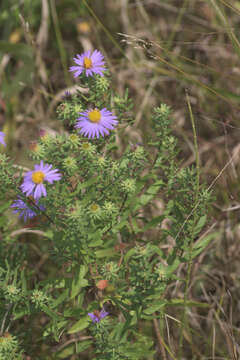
[(27, 231), (72, 89), (42, 36)]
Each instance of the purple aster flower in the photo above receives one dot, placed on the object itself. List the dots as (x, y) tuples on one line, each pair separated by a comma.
[(2, 135), (24, 210), (33, 180), (94, 123), (67, 95), (96, 316), (91, 63), (42, 133)]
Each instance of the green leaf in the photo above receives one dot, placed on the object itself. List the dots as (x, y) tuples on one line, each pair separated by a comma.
[(83, 271), (173, 264), (201, 245), (155, 307), (79, 282), (148, 195), (95, 238), (120, 225), (155, 249), (105, 253), (177, 302), (19, 314), (95, 243), (80, 325), (153, 223), (173, 302), (66, 352), (117, 332), (50, 313), (60, 299), (5, 206), (73, 349), (200, 225), (130, 253), (83, 345), (135, 226), (150, 317)]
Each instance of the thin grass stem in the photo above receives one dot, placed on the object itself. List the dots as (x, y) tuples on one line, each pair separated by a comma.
[(104, 28), (62, 52), (177, 23)]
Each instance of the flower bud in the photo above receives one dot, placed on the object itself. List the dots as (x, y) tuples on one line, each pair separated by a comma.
[(102, 284)]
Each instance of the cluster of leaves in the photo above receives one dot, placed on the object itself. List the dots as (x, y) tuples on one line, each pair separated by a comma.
[(100, 224)]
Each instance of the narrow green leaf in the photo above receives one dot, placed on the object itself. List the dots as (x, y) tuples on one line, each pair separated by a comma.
[(105, 253), (77, 287), (19, 314), (83, 345), (80, 325), (5, 206), (130, 253), (155, 307), (61, 298), (83, 271), (177, 302), (201, 245), (66, 352), (79, 281), (148, 195), (153, 223), (50, 313), (95, 243), (200, 224)]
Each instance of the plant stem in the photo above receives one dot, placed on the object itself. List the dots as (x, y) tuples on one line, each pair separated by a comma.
[(62, 51)]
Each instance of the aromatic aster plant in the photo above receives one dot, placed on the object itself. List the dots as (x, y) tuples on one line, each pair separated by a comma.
[(113, 254)]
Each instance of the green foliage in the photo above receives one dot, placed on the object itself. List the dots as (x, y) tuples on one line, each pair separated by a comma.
[(100, 223), (9, 348)]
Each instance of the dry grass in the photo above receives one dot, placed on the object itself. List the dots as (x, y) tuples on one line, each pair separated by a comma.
[(157, 49)]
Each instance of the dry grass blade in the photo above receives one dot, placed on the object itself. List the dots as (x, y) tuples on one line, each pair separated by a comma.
[(42, 36), (59, 96), (227, 335), (148, 47), (27, 231)]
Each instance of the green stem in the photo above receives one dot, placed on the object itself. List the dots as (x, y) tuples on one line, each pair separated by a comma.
[(177, 23), (105, 29), (63, 55)]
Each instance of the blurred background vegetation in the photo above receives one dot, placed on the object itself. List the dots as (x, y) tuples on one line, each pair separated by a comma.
[(158, 50)]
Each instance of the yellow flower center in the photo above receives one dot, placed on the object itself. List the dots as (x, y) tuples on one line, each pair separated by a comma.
[(6, 338), (94, 116), (38, 177), (85, 146), (87, 63), (94, 207)]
